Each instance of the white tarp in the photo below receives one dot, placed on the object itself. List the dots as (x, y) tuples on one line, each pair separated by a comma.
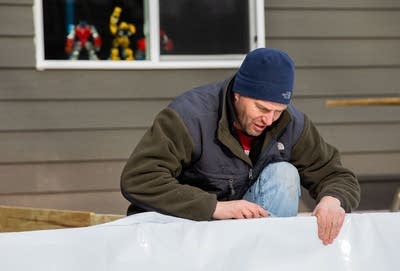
[(152, 241)]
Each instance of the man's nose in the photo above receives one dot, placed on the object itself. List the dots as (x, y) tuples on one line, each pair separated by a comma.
[(268, 118)]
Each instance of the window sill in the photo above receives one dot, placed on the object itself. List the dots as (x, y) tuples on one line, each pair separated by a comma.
[(137, 65)]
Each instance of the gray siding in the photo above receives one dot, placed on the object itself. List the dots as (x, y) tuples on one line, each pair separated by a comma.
[(346, 49), (66, 134)]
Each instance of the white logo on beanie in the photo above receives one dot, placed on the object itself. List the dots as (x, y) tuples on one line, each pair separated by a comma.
[(286, 95)]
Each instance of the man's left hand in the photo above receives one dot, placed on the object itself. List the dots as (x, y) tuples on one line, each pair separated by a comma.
[(330, 216)]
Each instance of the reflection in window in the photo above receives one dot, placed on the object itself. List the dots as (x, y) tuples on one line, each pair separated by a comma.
[(204, 27)]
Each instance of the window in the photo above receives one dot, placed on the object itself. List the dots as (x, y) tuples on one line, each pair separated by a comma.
[(141, 34)]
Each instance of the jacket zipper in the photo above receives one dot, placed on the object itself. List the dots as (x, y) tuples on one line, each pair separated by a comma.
[(232, 189), (251, 173)]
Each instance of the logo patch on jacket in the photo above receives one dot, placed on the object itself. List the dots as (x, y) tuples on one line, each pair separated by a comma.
[(280, 146)]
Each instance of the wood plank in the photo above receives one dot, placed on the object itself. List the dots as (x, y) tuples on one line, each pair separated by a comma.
[(319, 113), (166, 84), (344, 82), (17, 52), (16, 21), (17, 2), (64, 146), (340, 53), (363, 137), (100, 145), (78, 114), (363, 101), (106, 202), (374, 196), (332, 24), (60, 177), (100, 84), (350, 4), (378, 195), (119, 114), (15, 219), (96, 176), (373, 164)]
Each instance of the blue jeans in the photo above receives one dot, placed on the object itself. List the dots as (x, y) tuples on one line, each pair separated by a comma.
[(277, 189)]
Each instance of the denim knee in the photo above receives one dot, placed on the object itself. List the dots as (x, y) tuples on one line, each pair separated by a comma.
[(284, 172), (277, 189)]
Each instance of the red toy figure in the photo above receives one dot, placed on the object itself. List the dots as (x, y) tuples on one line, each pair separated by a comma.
[(83, 36)]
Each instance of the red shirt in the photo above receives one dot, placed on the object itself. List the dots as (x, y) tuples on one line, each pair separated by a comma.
[(245, 140)]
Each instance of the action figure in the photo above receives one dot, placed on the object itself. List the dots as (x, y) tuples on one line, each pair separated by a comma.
[(83, 36), (122, 31)]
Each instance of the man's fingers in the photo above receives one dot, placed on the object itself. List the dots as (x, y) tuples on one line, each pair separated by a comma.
[(238, 214), (331, 233), (262, 212), (238, 209), (337, 223), (247, 213), (330, 217), (322, 226), (255, 211), (327, 230), (329, 226)]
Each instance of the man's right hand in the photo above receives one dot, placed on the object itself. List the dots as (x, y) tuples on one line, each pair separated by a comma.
[(238, 209)]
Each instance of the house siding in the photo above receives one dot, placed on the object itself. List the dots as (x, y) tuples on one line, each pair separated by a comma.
[(66, 134)]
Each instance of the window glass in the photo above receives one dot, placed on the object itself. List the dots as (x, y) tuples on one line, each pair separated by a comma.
[(93, 29), (204, 27), (162, 34)]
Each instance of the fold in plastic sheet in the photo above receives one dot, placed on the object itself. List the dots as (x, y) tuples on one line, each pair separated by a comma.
[(151, 241)]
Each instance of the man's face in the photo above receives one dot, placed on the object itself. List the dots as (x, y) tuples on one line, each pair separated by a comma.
[(253, 116)]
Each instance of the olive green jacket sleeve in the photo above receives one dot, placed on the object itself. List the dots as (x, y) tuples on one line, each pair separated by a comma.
[(149, 177), (321, 171)]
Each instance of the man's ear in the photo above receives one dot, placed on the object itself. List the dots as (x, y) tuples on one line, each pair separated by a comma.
[(236, 96)]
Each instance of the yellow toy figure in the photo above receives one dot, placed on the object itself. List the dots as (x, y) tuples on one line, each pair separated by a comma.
[(122, 31)]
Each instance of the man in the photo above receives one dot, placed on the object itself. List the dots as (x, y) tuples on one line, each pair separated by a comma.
[(239, 149)]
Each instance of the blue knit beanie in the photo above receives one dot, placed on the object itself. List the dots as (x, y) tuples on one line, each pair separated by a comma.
[(266, 74)]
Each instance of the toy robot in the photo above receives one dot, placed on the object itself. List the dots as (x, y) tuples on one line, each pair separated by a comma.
[(122, 32), (83, 36)]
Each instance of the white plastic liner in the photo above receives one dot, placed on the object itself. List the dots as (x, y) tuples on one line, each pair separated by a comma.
[(151, 241)]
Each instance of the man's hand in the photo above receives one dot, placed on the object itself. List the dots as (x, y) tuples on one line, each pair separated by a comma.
[(238, 209), (330, 216)]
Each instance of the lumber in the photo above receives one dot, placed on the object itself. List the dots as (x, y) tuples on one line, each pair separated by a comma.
[(363, 101), (14, 219)]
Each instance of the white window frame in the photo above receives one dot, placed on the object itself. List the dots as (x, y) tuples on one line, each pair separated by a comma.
[(257, 29)]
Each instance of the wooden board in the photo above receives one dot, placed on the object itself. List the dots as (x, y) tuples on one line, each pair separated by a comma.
[(122, 85), (25, 219), (363, 101), (327, 23), (329, 4)]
